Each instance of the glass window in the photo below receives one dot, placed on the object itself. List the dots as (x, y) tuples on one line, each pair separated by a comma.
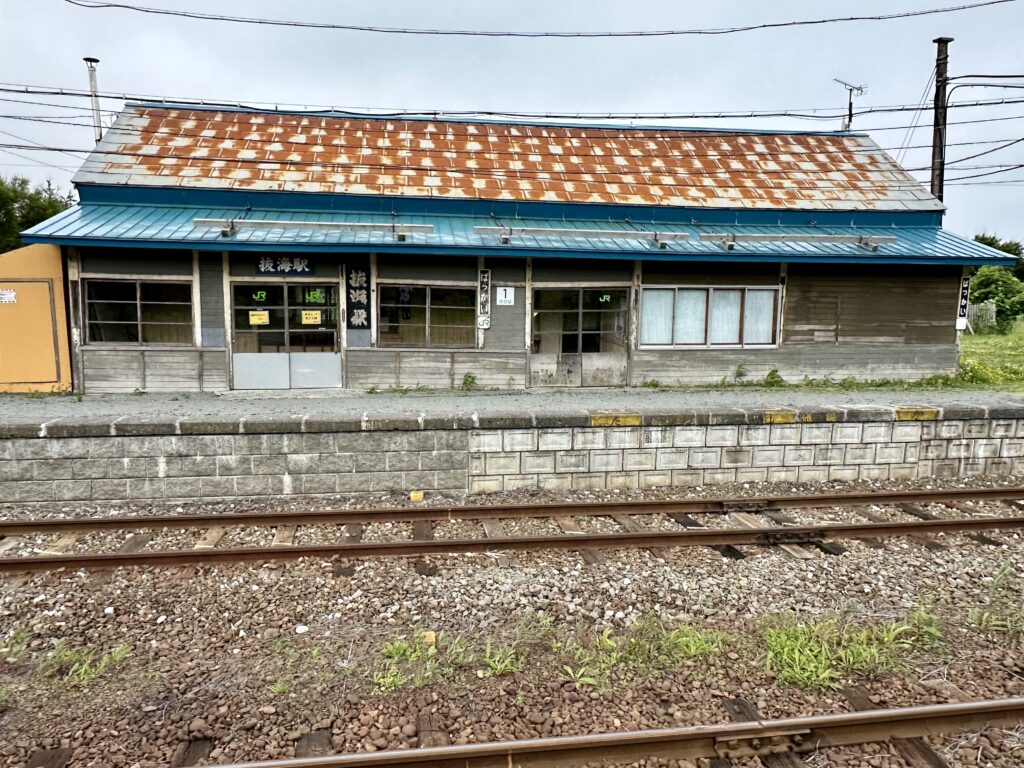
[(656, 317), (570, 321), (691, 316), (759, 317), (703, 317), (426, 316), (724, 323), (136, 311), (274, 317)]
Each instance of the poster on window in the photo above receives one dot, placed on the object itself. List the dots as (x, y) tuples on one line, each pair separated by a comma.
[(357, 295)]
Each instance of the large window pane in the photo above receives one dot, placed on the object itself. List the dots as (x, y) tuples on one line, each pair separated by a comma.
[(111, 290), (174, 293), (124, 333), (724, 327), (691, 316), (759, 317), (656, 317)]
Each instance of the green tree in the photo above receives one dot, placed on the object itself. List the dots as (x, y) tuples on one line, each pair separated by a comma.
[(1009, 246), (23, 206), (1000, 285)]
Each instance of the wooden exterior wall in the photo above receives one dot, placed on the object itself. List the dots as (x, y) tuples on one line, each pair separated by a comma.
[(860, 321)]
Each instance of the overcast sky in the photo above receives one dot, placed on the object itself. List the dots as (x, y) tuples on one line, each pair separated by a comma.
[(42, 42)]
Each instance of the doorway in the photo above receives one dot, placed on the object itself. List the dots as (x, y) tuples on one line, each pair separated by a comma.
[(580, 337), (285, 335)]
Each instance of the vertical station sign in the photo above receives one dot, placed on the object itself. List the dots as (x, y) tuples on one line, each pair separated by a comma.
[(483, 314), (357, 296), (965, 302)]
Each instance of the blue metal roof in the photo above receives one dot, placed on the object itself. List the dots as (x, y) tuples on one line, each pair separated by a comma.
[(163, 226)]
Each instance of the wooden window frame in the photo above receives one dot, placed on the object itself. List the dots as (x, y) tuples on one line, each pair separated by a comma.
[(138, 282), (472, 288), (708, 311)]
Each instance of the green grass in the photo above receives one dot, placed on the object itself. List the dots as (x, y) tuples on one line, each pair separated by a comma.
[(422, 658), (647, 647), (1002, 356), (80, 666), (819, 654), (1003, 611)]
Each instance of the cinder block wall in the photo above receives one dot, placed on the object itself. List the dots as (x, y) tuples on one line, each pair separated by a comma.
[(67, 460)]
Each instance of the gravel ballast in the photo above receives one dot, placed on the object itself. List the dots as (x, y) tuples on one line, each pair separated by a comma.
[(255, 658)]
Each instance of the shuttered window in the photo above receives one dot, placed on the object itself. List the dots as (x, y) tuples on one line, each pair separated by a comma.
[(709, 317)]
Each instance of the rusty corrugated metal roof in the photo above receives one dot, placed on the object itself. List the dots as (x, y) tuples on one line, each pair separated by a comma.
[(227, 149)]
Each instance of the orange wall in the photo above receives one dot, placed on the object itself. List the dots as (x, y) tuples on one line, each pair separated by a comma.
[(34, 353)]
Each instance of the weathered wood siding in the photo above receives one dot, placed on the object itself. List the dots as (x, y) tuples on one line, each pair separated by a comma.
[(383, 368), (392, 267), (508, 323), (211, 299), (794, 363), (154, 370), (136, 261), (696, 273), (871, 305), (870, 322)]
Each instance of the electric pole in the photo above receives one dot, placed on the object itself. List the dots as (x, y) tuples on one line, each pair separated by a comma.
[(939, 131), (851, 91)]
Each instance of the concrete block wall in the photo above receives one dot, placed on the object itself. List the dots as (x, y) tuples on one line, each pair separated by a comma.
[(654, 456), (68, 460)]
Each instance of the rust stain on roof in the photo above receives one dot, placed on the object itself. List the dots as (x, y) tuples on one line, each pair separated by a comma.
[(150, 146)]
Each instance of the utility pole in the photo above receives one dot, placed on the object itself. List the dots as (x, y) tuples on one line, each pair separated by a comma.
[(851, 91), (90, 63), (939, 131)]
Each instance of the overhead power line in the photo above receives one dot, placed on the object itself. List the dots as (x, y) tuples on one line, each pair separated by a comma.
[(1006, 169), (711, 31), (206, 141), (826, 113)]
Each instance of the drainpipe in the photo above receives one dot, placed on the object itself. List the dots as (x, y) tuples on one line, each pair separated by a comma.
[(90, 64)]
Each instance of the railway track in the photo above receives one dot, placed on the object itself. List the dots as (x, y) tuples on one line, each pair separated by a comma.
[(107, 542), (775, 742)]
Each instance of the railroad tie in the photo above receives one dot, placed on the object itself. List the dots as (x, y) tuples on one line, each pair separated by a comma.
[(632, 525), (922, 514), (590, 556), (133, 543), (353, 535), (49, 758), (314, 744), (191, 752), (63, 544), (742, 711), (210, 540), (430, 730), (926, 542), (828, 547), (284, 536), (423, 530), (915, 751), (727, 551), (793, 550), (493, 529)]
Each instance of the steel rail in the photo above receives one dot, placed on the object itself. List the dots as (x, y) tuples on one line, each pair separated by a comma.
[(491, 512), (765, 737), (803, 534)]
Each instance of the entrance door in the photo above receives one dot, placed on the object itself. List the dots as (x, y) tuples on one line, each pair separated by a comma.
[(285, 335), (579, 337)]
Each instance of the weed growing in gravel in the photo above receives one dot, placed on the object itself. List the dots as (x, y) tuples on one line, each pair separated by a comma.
[(15, 645), (279, 688), (648, 646), (5, 698), (79, 666), (818, 654), (1004, 608), (420, 660), (500, 660)]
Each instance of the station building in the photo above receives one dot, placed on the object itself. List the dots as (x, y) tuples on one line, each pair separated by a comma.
[(235, 249)]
